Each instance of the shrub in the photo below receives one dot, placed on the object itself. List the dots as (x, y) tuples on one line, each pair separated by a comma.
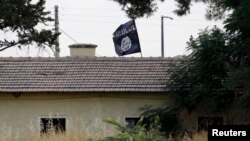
[(136, 133)]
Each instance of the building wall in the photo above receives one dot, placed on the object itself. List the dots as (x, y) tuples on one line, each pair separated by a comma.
[(83, 112)]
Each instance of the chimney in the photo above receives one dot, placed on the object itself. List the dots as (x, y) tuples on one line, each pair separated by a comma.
[(82, 50)]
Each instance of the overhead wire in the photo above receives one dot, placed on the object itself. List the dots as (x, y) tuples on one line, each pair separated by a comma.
[(67, 35), (73, 38)]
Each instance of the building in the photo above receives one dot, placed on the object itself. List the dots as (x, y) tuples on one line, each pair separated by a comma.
[(77, 93)]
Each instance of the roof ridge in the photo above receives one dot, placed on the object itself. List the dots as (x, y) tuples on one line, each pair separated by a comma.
[(87, 58)]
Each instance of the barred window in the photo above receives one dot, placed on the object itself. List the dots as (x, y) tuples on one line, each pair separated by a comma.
[(52, 125)]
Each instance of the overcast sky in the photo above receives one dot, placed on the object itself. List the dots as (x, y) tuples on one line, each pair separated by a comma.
[(94, 21)]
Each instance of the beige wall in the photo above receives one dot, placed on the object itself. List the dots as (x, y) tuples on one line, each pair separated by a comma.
[(83, 112)]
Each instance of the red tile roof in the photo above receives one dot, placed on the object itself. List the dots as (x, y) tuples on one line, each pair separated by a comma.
[(97, 74)]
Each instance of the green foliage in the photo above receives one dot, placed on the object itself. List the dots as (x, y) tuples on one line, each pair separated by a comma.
[(209, 57), (135, 8), (21, 17), (136, 133), (240, 81), (171, 125), (201, 76), (218, 62), (215, 10), (238, 29)]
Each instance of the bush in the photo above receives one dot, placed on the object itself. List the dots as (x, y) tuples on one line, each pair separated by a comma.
[(136, 133)]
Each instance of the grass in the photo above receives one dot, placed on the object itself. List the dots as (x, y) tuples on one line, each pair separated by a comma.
[(52, 137), (82, 137), (202, 136)]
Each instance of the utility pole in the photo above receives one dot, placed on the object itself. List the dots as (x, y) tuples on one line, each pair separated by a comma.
[(57, 49), (162, 34)]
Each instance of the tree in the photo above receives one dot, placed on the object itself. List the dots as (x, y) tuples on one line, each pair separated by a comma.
[(133, 8), (202, 77), (21, 17)]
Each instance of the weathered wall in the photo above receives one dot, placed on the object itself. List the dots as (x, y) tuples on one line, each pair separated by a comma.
[(83, 112)]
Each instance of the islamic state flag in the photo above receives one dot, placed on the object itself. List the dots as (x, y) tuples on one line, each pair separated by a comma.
[(126, 39)]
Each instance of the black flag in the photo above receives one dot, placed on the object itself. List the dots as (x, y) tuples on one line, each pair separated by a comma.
[(126, 39)]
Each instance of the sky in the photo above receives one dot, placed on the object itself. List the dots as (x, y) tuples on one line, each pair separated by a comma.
[(94, 21)]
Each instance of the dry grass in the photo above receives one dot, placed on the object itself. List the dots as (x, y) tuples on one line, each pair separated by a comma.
[(82, 137), (202, 136), (52, 137)]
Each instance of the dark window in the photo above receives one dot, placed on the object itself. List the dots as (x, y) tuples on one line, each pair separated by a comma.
[(204, 122), (132, 121), (52, 125)]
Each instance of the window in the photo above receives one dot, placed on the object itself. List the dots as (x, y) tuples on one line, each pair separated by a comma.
[(204, 122), (52, 125), (132, 121)]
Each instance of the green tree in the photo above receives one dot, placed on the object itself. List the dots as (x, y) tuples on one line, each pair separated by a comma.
[(202, 76), (215, 9), (135, 8), (21, 18)]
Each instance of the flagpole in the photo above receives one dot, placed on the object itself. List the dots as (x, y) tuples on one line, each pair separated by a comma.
[(133, 18)]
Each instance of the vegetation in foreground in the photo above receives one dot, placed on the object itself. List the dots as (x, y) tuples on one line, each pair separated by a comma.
[(81, 137), (139, 132), (152, 132)]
